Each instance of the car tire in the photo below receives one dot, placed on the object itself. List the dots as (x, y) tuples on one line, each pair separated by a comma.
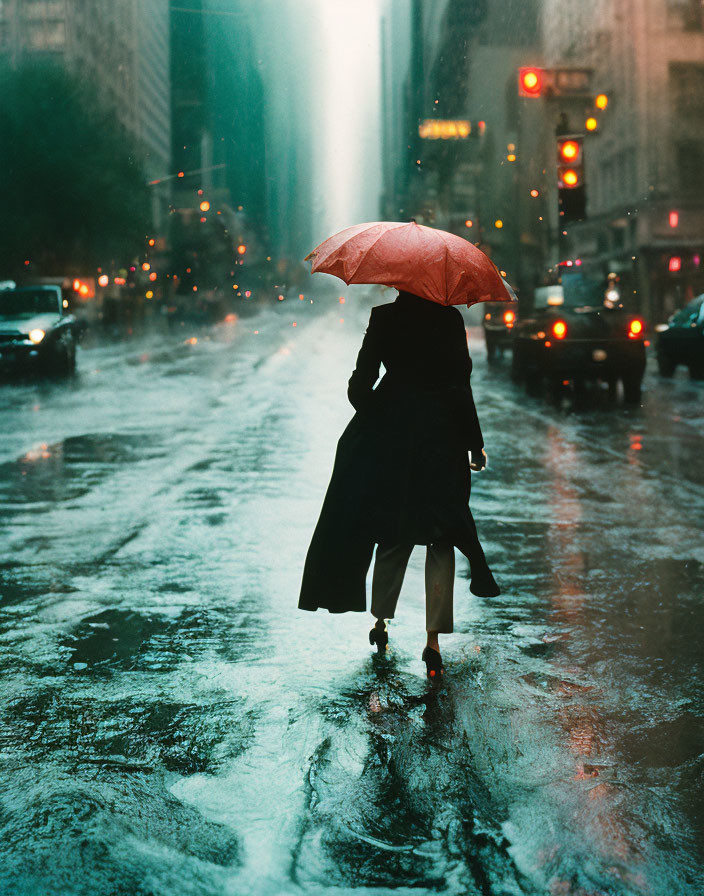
[(666, 365), (631, 389), (491, 352), (556, 388), (534, 382), (518, 372), (63, 360), (70, 361)]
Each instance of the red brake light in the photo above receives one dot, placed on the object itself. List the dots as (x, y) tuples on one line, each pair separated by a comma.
[(559, 329), (509, 317), (635, 328), (569, 150)]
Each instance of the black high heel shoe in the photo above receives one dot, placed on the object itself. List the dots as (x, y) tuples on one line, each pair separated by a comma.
[(433, 663), (380, 637)]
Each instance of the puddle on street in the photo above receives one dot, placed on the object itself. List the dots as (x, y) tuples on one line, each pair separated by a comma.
[(171, 718)]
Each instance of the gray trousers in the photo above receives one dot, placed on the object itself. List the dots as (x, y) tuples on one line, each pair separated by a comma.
[(389, 569)]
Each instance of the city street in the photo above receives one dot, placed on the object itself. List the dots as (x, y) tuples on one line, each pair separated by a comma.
[(173, 725)]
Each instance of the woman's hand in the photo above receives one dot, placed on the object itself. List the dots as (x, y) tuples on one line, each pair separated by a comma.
[(478, 460)]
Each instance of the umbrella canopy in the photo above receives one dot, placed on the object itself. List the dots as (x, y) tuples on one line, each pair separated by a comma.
[(434, 264)]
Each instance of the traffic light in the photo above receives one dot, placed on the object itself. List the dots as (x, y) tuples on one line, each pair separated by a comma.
[(530, 81), (572, 198), (602, 101)]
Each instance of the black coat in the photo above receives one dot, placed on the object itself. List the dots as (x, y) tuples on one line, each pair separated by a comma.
[(401, 470)]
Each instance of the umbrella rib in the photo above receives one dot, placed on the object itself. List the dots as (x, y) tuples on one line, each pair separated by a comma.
[(366, 251)]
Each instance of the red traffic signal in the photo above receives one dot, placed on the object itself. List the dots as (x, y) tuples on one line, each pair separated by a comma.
[(570, 177), (570, 173), (569, 151), (530, 81)]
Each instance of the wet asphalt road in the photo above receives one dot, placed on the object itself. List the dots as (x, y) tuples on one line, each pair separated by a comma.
[(171, 724)]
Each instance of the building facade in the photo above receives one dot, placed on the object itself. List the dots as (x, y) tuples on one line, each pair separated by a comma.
[(644, 161), (153, 85), (119, 47), (461, 62), (644, 164)]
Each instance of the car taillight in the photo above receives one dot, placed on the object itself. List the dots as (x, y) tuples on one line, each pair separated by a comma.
[(559, 329), (509, 318), (635, 328)]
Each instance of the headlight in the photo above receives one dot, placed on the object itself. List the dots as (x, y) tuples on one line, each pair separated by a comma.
[(36, 336)]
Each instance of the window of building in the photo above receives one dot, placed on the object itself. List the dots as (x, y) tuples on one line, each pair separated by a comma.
[(690, 166), (687, 89), (43, 37), (42, 9), (685, 14)]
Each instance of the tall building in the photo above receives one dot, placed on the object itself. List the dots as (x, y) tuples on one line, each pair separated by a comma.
[(512, 160), (97, 44), (282, 40), (218, 109), (397, 128), (120, 47), (644, 165), (461, 61), (153, 85)]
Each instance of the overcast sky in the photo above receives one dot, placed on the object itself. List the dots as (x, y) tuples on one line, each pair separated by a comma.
[(347, 152)]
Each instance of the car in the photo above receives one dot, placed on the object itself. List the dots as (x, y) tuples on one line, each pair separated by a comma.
[(572, 335), (497, 323), (36, 331), (681, 340)]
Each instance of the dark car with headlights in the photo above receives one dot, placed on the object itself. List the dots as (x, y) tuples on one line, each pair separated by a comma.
[(36, 332), (572, 336), (498, 323), (681, 340)]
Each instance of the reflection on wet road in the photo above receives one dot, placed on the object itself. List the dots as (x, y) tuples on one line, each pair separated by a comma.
[(172, 724)]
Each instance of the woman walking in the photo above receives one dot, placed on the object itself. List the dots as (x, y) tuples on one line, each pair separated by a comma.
[(402, 474)]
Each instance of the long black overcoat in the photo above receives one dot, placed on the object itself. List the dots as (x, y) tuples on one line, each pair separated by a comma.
[(401, 471)]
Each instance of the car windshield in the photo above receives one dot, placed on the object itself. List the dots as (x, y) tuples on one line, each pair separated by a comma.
[(579, 291), (690, 314), (28, 302)]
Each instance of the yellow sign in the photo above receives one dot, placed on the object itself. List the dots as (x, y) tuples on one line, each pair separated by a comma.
[(444, 129)]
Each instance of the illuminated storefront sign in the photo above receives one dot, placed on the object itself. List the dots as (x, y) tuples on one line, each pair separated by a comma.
[(444, 129)]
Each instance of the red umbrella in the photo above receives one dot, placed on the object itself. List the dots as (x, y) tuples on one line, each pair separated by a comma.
[(434, 264)]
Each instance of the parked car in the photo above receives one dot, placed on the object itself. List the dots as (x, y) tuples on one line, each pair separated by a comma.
[(36, 331), (681, 340), (572, 336), (498, 323)]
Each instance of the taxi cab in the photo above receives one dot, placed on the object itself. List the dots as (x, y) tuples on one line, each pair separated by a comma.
[(498, 323), (575, 333)]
